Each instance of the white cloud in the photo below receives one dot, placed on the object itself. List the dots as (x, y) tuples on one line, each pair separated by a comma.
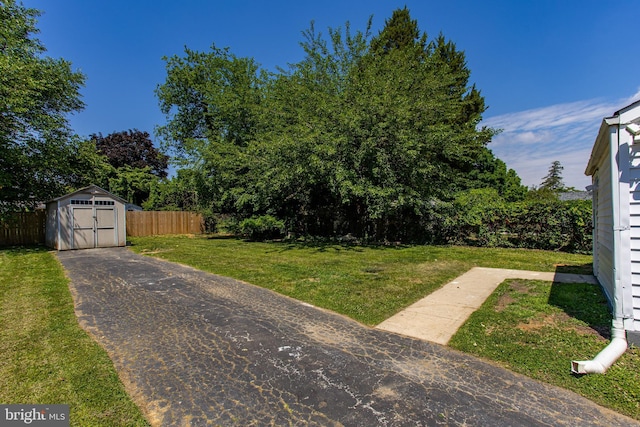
[(531, 140)]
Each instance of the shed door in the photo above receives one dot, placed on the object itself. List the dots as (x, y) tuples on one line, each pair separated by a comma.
[(83, 227), (105, 227), (94, 227)]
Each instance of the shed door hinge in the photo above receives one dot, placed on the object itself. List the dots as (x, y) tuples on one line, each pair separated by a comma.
[(625, 228)]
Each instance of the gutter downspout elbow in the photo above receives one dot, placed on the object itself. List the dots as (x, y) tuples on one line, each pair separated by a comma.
[(607, 356)]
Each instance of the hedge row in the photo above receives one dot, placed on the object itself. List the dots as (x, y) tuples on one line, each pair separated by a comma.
[(479, 218), (475, 218)]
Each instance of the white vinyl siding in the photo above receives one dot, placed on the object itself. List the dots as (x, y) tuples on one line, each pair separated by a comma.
[(634, 224), (604, 228)]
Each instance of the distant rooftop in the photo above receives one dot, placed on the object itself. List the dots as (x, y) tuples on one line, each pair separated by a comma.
[(575, 195)]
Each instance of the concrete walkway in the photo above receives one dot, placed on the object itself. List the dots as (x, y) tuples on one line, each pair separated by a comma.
[(196, 349), (438, 316)]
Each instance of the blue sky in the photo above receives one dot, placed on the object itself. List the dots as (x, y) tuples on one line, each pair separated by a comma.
[(549, 70)]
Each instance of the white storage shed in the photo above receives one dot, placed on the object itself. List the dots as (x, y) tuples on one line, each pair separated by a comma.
[(615, 170), (88, 218)]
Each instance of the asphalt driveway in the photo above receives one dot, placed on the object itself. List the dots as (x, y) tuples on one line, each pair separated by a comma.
[(198, 349)]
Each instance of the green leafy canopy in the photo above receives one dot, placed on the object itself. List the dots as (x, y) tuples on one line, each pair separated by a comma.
[(36, 95), (365, 135)]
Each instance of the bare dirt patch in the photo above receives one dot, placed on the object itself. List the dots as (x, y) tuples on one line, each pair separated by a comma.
[(503, 302), (562, 321), (154, 252), (507, 298), (519, 287)]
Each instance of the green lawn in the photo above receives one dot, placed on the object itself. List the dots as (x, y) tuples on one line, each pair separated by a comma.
[(368, 284), (536, 328), (45, 357)]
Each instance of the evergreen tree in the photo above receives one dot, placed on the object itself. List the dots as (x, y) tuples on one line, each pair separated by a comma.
[(399, 32), (553, 180)]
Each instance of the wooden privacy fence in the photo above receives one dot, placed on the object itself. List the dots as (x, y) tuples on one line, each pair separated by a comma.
[(24, 228), (28, 228), (141, 223)]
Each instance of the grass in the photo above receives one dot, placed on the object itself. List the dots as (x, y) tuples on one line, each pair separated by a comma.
[(536, 328), (45, 357), (368, 284)]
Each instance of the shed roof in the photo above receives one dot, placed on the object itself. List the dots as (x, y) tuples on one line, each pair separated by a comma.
[(91, 189)]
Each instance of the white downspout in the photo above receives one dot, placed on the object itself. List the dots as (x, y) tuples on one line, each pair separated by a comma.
[(618, 344), (607, 356)]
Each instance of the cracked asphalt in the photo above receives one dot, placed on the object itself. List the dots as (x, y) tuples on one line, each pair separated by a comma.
[(196, 349)]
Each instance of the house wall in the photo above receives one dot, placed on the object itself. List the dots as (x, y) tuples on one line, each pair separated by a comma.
[(615, 169), (634, 224), (603, 230), (628, 175)]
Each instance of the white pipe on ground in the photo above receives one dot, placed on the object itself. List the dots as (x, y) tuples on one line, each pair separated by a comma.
[(607, 356)]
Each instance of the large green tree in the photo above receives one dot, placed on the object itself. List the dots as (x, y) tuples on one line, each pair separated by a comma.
[(295, 161), (211, 100), (365, 135), (187, 190), (36, 95), (132, 184), (88, 166), (412, 128)]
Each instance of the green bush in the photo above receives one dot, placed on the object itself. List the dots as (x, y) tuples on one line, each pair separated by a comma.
[(261, 228), (210, 220), (477, 218), (482, 218), (554, 225)]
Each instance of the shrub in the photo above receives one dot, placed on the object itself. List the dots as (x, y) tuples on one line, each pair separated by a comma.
[(261, 228), (553, 225), (477, 218), (482, 218), (210, 220)]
